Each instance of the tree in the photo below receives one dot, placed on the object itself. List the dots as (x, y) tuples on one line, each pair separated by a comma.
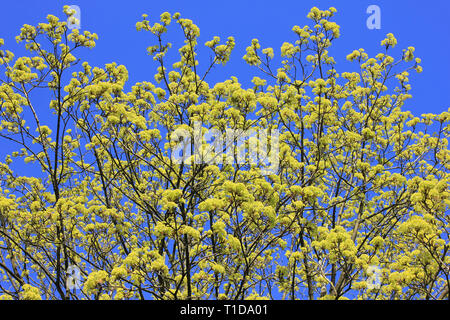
[(355, 207)]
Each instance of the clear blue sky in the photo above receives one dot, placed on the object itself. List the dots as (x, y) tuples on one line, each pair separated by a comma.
[(422, 24)]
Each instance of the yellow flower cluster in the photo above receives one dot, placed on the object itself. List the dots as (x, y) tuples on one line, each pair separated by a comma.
[(389, 41), (30, 293)]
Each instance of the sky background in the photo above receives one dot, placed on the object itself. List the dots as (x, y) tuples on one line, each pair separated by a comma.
[(422, 24)]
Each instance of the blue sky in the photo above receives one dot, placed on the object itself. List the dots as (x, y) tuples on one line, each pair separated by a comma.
[(422, 24)]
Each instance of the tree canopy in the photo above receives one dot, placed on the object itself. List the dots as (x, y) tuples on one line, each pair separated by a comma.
[(360, 187)]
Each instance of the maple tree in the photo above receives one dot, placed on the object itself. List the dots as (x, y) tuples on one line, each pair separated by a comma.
[(360, 181)]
